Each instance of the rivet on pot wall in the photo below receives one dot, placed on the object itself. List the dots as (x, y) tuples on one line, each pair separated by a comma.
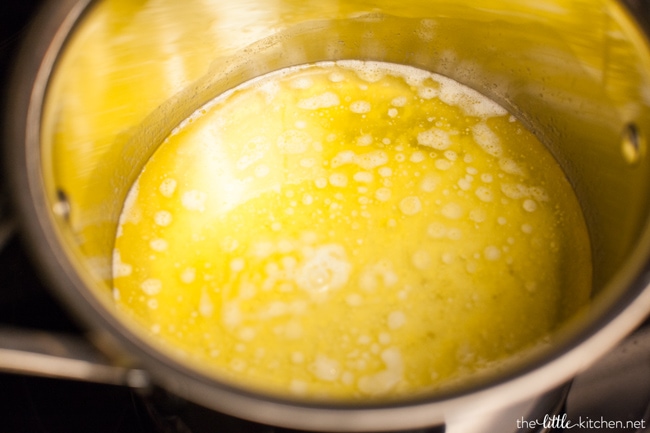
[(632, 144), (62, 206)]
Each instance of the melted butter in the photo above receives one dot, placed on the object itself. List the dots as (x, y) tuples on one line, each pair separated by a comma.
[(351, 230)]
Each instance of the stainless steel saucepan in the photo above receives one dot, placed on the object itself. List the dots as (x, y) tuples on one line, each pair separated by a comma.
[(122, 74)]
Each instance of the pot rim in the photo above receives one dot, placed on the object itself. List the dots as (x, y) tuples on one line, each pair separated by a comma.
[(615, 318)]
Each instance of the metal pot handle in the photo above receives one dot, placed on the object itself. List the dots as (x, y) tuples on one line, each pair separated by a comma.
[(47, 354)]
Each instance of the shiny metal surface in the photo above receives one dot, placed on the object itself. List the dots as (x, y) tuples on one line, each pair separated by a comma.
[(615, 388), (120, 75), (60, 356)]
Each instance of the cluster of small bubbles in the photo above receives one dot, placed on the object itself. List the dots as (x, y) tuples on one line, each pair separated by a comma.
[(151, 286), (168, 186), (410, 205), (163, 218), (158, 245), (360, 107), (325, 100), (345, 197)]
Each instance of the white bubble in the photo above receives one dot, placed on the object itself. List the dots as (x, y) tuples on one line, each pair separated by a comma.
[(188, 275), (385, 171), (396, 320), (377, 274), (321, 182), (167, 187), (294, 141), (492, 253), (383, 194), (451, 155), (342, 158), (206, 308), (454, 234), (325, 368), (410, 205), (371, 160), (538, 193), (530, 205), (511, 167), (399, 101), (382, 382), (417, 157), (436, 230), (484, 194), (427, 92), (237, 264), (338, 179), (325, 100), (434, 138), (307, 199), (370, 75), (159, 245), (301, 83), (364, 140), (452, 211), (487, 139), (120, 269), (298, 387), (354, 300), (269, 89), (470, 101), (326, 268), (515, 191), (421, 259), (151, 286), (360, 107), (464, 184), (363, 177), (336, 77), (429, 183), (443, 164), (477, 215), (447, 258), (194, 200), (163, 218)]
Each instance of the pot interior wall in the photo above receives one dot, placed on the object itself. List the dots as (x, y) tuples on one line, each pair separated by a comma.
[(576, 72)]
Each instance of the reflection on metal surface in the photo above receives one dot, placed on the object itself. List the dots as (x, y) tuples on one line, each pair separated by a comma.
[(617, 388), (576, 72), (50, 355), (61, 207), (632, 144), (132, 72)]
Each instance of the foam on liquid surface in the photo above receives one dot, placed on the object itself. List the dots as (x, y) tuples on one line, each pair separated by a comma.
[(351, 230)]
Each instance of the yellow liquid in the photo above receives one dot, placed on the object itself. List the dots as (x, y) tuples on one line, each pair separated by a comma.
[(351, 230)]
